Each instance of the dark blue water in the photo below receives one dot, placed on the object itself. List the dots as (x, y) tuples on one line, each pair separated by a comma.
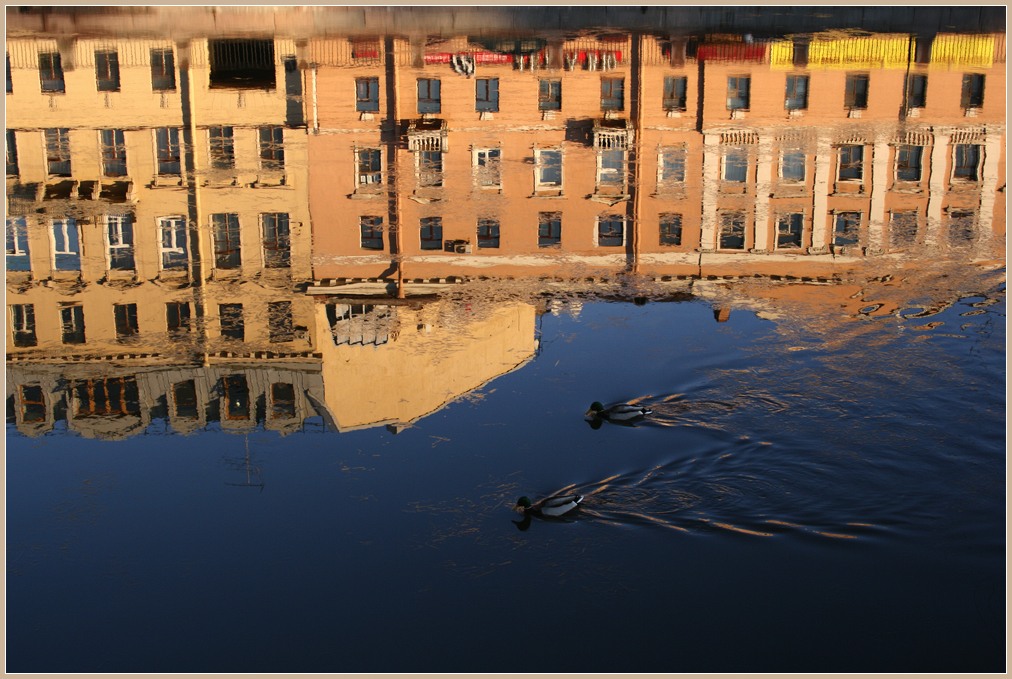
[(809, 495)]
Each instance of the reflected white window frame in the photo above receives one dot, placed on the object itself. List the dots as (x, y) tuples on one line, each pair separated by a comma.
[(611, 174), (791, 154), (175, 227), (115, 239), (729, 152), (669, 158), (543, 155), (60, 232), (368, 179), (956, 166), (845, 161), (17, 236), (486, 162)]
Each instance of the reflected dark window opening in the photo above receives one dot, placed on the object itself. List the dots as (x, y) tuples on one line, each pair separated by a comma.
[(549, 229), (10, 83), (549, 94), (33, 403), (908, 163), (846, 230), (126, 320), (282, 400), (429, 95), (367, 95), (903, 228), (789, 230), (611, 230), (72, 322), (360, 324), (738, 92), (227, 244), (796, 93), (371, 228), (961, 227), (430, 169), (107, 71), (370, 167), (851, 163), (279, 321), (277, 240), (675, 88), (966, 166), (670, 229), (856, 91), (163, 70), (486, 95), (488, 233), (272, 148), (611, 170), (184, 397), (58, 151), (232, 324), (168, 151), (732, 231), (972, 95), (66, 245), (672, 165), (23, 325), (105, 397), (177, 317), (18, 257), (236, 393), (736, 165), (12, 154), (917, 91), (431, 233), (221, 147), (51, 72), (612, 94), (113, 153), (792, 166), (242, 64)]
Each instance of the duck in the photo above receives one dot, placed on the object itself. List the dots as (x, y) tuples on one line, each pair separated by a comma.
[(554, 506), (622, 412)]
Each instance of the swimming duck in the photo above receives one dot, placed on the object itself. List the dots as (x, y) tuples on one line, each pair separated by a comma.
[(622, 412), (552, 506)]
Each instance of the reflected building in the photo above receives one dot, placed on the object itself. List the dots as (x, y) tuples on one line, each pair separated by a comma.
[(265, 231)]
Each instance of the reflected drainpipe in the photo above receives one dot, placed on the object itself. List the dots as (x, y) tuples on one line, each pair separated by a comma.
[(636, 113), (390, 136), (192, 195)]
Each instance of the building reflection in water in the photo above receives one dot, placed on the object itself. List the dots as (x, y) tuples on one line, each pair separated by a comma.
[(265, 232)]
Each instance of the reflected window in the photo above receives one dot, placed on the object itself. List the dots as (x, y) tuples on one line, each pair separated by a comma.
[(735, 165), (119, 231), (227, 243), (792, 166), (732, 231), (18, 257), (236, 393), (167, 150), (177, 317), (549, 229), (66, 244), (738, 92), (33, 403), (487, 168), (371, 229), (114, 162), (367, 95), (548, 168), (549, 94), (961, 227), (917, 90), (675, 88), (23, 324), (107, 71), (282, 401), (486, 95), (610, 230), (851, 163), (244, 64), (105, 397), (428, 95), (789, 230), (370, 168), (796, 93), (10, 83), (429, 168), (58, 151), (488, 233), (172, 233), (972, 95), (908, 163), (184, 397), (163, 70), (279, 321), (277, 240), (72, 324), (902, 228), (231, 319), (51, 72), (126, 320), (431, 229), (670, 229), (12, 154), (966, 162), (611, 170), (272, 148), (221, 147), (856, 91), (846, 228), (612, 94), (671, 165)]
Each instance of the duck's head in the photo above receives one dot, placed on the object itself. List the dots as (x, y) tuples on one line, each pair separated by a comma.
[(523, 504), (595, 409)]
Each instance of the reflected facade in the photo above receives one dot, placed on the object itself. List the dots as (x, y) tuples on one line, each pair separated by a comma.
[(270, 231)]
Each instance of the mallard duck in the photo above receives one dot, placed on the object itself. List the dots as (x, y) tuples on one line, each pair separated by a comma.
[(551, 506), (622, 412)]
